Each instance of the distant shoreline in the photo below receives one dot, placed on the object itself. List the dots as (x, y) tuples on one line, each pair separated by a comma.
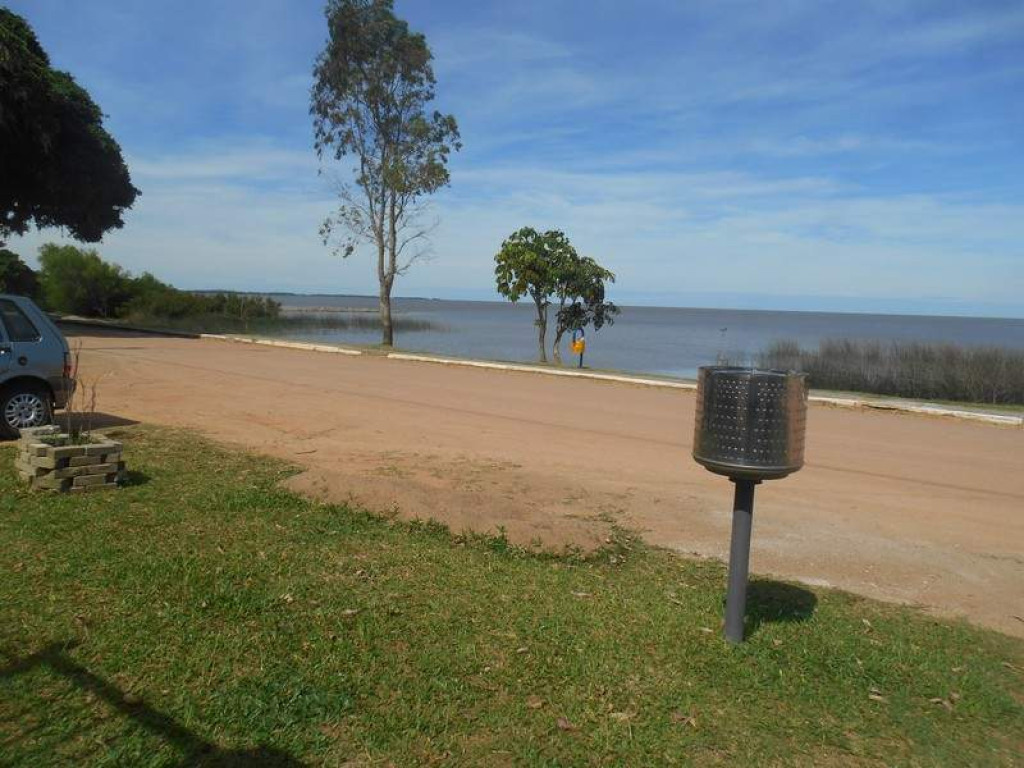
[(725, 307), (285, 308)]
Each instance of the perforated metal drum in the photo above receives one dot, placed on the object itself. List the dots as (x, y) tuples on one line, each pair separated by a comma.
[(750, 423)]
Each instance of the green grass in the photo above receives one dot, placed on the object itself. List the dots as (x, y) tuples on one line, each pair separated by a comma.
[(202, 615)]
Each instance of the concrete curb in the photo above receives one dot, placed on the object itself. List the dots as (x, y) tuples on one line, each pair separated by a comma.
[(840, 402), (546, 371), (923, 408), (305, 346)]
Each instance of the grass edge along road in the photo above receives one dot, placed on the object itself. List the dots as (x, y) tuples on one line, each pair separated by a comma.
[(205, 615)]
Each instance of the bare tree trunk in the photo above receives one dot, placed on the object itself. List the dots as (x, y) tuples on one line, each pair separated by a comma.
[(542, 329), (556, 348), (387, 331), (384, 281), (388, 279)]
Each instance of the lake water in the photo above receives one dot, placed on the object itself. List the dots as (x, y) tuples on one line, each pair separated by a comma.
[(662, 340)]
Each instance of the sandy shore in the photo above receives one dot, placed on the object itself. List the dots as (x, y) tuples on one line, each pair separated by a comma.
[(900, 507)]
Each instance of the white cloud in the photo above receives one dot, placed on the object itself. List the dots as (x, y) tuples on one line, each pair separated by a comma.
[(972, 29), (740, 158), (248, 217), (459, 48), (247, 162)]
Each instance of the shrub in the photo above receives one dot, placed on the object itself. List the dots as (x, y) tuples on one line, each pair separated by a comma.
[(79, 282), (918, 370)]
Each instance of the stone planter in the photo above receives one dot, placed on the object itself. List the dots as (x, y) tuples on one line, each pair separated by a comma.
[(49, 460)]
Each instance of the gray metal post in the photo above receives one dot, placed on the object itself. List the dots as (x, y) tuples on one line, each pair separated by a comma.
[(739, 559)]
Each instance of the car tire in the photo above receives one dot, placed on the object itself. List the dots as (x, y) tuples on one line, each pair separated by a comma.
[(24, 405)]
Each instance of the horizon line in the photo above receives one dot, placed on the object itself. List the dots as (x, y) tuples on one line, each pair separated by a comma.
[(497, 300)]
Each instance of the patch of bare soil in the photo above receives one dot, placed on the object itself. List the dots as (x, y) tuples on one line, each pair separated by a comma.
[(900, 507)]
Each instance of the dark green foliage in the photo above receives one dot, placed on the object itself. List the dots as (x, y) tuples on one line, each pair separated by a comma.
[(530, 262), (373, 83), (16, 276), (581, 299), (918, 370), (153, 300), (78, 282), (58, 165), (204, 616)]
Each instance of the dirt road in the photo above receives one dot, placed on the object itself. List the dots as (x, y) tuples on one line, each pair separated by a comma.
[(900, 507)]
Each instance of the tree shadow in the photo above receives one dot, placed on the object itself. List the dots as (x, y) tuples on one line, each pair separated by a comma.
[(771, 602), (92, 421), (85, 422), (196, 750), (133, 478), (72, 329)]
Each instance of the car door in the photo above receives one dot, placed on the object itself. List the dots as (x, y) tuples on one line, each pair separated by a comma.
[(6, 352)]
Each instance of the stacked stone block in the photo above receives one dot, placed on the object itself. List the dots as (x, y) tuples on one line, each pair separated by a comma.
[(48, 460)]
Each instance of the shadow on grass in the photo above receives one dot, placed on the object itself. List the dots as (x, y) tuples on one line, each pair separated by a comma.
[(196, 750), (92, 421), (134, 478), (770, 602)]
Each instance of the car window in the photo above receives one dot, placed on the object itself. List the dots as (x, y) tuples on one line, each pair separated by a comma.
[(19, 327)]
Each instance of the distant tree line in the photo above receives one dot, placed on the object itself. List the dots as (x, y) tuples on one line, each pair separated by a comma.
[(923, 371), (77, 281)]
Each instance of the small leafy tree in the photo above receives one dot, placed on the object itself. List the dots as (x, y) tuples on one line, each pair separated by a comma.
[(78, 281), (545, 265), (372, 84), (532, 263), (16, 276), (581, 295), (58, 165)]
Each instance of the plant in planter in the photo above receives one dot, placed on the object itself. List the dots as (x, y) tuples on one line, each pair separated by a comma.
[(75, 459)]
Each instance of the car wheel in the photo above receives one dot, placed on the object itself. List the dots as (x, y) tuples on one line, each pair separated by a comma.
[(22, 407)]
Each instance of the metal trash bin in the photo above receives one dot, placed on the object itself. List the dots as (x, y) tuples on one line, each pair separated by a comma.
[(750, 427), (750, 423)]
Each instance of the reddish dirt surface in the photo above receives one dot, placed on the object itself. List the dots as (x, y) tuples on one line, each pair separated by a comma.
[(905, 508)]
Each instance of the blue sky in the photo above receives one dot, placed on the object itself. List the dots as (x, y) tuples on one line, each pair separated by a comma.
[(855, 156)]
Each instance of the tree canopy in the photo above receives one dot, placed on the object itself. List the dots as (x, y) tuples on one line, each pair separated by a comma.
[(372, 86), (16, 276), (545, 265), (58, 165), (79, 281)]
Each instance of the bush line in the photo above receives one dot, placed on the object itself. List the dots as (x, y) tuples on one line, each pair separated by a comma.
[(918, 370)]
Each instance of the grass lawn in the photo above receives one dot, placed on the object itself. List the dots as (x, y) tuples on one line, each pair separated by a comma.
[(204, 616)]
